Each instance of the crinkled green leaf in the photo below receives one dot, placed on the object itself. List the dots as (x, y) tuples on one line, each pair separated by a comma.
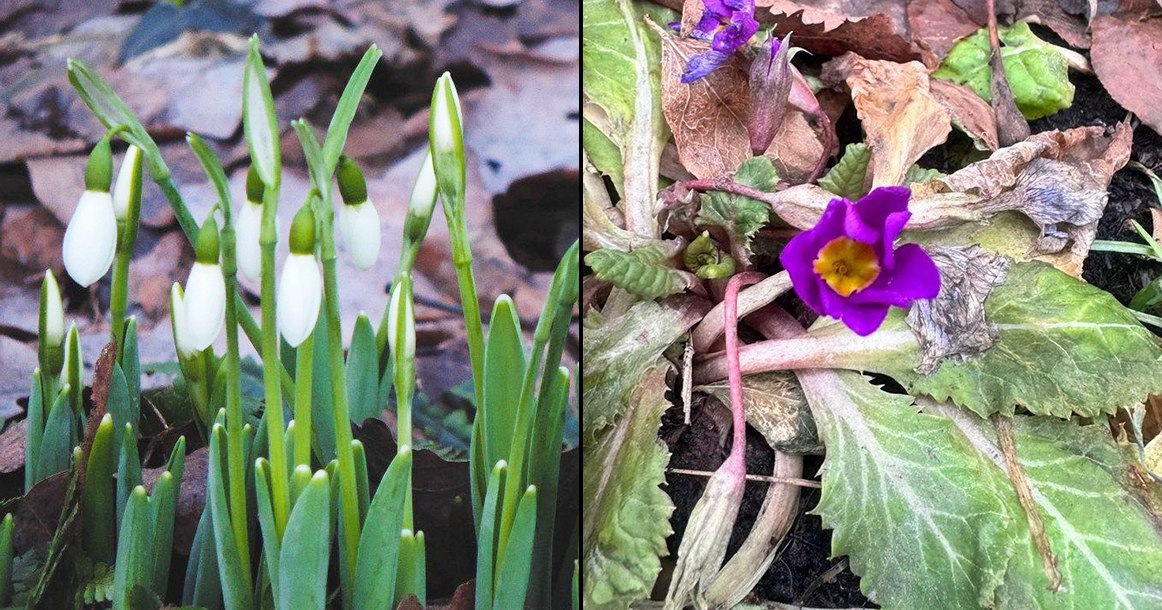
[(917, 174), (1037, 73), (904, 489), (619, 351), (908, 500), (1102, 522), (626, 514), (1064, 348), (741, 217), (643, 272), (849, 177)]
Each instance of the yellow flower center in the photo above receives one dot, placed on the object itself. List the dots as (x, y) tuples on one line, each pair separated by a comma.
[(847, 266)]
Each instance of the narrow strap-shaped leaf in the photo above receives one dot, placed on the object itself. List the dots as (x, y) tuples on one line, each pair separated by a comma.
[(363, 372), (363, 485), (202, 585), (300, 478), (6, 560), (307, 548), (545, 466), (128, 469), (211, 165), (98, 500), (379, 544), (348, 103), (112, 112), (33, 430), (477, 473), (118, 405), (504, 368), (258, 118), (133, 549), (512, 577), (236, 580), (271, 545), (166, 492), (130, 359), (486, 539), (56, 446), (405, 572), (320, 178), (322, 420)]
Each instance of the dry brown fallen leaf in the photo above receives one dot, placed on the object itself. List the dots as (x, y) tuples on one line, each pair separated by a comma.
[(708, 118), (936, 25), (151, 275), (30, 239), (875, 28), (1056, 179), (970, 113), (900, 116), (1127, 58)]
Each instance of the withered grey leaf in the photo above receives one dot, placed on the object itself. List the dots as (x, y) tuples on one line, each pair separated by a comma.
[(776, 407), (953, 325), (703, 544)]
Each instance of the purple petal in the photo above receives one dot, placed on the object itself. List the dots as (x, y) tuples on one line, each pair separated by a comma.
[(875, 207), (702, 64), (740, 29), (798, 257), (864, 319), (892, 226), (706, 27), (720, 8), (914, 277)]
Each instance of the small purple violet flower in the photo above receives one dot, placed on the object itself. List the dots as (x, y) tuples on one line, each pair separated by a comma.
[(727, 25), (846, 266)]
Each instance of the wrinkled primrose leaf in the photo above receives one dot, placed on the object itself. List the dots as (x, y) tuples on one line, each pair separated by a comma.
[(1037, 72), (644, 272), (848, 178), (740, 217), (939, 479)]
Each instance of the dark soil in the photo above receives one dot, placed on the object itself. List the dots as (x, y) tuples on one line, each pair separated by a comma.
[(804, 572)]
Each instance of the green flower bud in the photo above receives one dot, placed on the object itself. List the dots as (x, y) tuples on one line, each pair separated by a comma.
[(206, 250), (352, 186), (302, 232), (52, 325), (99, 169), (704, 258), (254, 185)]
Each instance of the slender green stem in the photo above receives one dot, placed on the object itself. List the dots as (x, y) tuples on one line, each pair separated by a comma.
[(275, 431), (235, 452), (304, 369), (245, 319), (119, 298), (462, 259), (347, 483), (407, 260), (405, 386)]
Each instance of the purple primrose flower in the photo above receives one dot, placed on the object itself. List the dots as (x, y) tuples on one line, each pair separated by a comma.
[(727, 25), (846, 265)]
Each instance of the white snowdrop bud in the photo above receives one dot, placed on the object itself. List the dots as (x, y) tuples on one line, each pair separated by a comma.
[(300, 289), (129, 173), (205, 298)]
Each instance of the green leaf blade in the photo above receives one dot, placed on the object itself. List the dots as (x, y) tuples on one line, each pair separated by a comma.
[(306, 548), (258, 118)]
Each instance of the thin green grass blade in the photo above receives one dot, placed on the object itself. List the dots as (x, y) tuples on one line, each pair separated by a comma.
[(128, 469), (545, 467), (33, 430), (56, 447), (235, 577), (98, 499), (271, 545), (345, 110), (133, 549)]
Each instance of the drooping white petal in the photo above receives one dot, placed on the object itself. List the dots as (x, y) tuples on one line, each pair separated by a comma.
[(177, 313), (124, 185), (247, 228), (300, 292), (205, 304), (91, 238), (359, 228), (54, 312)]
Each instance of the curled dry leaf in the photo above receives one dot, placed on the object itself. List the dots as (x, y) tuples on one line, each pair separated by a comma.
[(878, 28), (953, 325), (708, 118), (1127, 58), (936, 25), (900, 116), (969, 113)]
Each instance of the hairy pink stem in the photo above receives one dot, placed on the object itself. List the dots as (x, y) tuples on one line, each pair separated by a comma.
[(734, 369)]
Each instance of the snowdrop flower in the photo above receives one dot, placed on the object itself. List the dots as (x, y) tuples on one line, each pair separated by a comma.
[(205, 298), (358, 218), (401, 330), (177, 318), (248, 228), (52, 325), (300, 289), (422, 202), (128, 178), (446, 137), (91, 238)]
